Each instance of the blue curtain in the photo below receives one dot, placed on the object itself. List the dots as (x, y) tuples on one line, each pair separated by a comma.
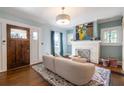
[(52, 43), (61, 44)]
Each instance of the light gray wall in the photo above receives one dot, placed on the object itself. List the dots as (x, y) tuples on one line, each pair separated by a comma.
[(69, 46), (45, 29), (110, 51), (114, 51), (18, 19), (47, 38)]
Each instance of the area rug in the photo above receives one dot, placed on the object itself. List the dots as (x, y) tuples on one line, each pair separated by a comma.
[(101, 77)]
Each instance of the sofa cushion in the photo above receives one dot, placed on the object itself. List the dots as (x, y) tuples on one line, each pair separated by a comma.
[(79, 59), (49, 62), (75, 72)]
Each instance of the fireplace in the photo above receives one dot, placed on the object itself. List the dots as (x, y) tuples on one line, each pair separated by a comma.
[(90, 48), (84, 53)]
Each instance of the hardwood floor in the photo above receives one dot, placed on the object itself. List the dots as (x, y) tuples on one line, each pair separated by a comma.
[(117, 80), (23, 76), (113, 69), (28, 77)]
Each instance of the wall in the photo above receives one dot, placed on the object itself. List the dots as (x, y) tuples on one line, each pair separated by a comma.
[(18, 19), (44, 37), (45, 29), (110, 51), (105, 51), (69, 46), (47, 38), (95, 29), (108, 24)]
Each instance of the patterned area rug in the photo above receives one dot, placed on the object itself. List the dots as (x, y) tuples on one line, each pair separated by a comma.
[(100, 78)]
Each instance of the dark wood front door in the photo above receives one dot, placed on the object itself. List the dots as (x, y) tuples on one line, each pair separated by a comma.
[(18, 46)]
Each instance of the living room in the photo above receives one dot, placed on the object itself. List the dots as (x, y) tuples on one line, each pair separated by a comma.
[(88, 44), (106, 49)]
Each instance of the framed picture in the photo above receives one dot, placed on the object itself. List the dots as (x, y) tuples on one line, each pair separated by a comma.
[(84, 31)]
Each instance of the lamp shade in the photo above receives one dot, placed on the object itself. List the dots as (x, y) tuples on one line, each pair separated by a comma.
[(63, 19)]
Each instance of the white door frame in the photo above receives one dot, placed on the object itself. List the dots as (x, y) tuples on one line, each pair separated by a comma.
[(4, 37), (36, 47)]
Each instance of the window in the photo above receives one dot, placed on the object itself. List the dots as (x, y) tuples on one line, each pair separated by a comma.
[(111, 36), (35, 36), (57, 43), (17, 33)]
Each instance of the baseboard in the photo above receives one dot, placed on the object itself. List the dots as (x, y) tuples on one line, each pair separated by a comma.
[(18, 68), (35, 63)]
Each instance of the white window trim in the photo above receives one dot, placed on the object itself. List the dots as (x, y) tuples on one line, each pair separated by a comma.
[(120, 31)]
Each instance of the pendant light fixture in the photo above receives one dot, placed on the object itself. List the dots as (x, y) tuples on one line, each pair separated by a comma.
[(63, 19)]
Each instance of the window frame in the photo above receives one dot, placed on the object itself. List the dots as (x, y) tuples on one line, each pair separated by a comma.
[(119, 36)]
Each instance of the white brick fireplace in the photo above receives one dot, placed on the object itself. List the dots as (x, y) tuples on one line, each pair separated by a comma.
[(93, 46)]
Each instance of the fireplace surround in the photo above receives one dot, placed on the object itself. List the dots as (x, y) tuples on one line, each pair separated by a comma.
[(92, 46), (84, 53)]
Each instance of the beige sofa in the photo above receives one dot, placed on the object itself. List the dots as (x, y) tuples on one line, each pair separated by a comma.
[(74, 72), (79, 59)]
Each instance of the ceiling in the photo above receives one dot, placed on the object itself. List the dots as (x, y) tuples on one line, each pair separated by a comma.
[(79, 15)]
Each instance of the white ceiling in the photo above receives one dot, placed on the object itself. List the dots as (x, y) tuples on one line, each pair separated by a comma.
[(79, 15)]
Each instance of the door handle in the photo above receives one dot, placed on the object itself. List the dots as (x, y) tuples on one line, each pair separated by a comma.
[(3, 42)]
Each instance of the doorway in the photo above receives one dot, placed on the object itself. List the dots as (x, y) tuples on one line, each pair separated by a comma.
[(18, 46)]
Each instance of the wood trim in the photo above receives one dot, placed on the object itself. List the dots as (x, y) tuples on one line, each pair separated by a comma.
[(21, 67), (8, 27)]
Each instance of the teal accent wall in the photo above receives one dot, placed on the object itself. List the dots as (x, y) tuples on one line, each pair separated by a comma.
[(105, 51), (110, 51), (107, 25), (95, 29)]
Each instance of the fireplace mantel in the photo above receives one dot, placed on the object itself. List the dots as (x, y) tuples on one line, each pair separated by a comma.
[(85, 41), (93, 46)]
